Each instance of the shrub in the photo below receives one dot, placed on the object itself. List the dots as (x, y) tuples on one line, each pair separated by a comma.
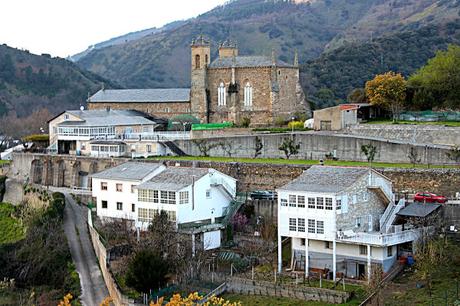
[(297, 125), (245, 122)]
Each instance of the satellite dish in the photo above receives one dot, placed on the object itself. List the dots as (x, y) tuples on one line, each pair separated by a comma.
[(82, 108)]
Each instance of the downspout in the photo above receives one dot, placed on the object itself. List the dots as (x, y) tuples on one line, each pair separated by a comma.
[(193, 192)]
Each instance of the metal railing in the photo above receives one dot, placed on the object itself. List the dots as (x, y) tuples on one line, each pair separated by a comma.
[(158, 136), (382, 239)]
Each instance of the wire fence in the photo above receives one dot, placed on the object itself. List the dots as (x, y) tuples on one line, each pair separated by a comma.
[(430, 116)]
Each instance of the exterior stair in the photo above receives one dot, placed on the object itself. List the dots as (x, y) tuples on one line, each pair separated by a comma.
[(389, 216), (174, 148)]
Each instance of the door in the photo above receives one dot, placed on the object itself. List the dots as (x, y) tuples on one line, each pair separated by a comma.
[(369, 222), (361, 271)]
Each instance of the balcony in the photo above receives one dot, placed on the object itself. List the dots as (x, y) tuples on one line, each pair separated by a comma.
[(156, 136), (378, 239)]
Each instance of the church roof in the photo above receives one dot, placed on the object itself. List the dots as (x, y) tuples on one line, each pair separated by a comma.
[(247, 62), (141, 95)]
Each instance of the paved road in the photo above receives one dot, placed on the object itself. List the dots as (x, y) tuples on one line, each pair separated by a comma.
[(93, 287)]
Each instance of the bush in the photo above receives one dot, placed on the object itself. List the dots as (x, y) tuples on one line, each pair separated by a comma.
[(297, 125), (245, 122)]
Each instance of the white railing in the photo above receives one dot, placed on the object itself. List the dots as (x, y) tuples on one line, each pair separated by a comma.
[(382, 239), (221, 181), (376, 181), (390, 214), (158, 136)]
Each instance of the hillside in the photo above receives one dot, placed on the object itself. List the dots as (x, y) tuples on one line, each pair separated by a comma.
[(314, 28), (330, 78), (31, 82)]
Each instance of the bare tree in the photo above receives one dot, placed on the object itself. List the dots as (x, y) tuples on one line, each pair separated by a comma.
[(258, 147)]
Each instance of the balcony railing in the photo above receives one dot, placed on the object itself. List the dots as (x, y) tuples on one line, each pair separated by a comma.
[(158, 136), (380, 239)]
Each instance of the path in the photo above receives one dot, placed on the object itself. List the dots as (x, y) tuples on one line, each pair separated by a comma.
[(75, 225)]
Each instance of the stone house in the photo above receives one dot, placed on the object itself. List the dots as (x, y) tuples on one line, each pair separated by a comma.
[(342, 116), (342, 220), (230, 88)]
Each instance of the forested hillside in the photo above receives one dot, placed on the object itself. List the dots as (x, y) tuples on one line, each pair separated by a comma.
[(321, 28), (31, 82)]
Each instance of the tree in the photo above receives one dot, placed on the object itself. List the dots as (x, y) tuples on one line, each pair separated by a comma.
[(413, 156), (147, 270), (258, 148), (387, 90), (369, 150), (289, 147), (357, 95), (441, 76), (194, 299), (454, 154)]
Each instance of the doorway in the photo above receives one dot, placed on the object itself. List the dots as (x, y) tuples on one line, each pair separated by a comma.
[(361, 271)]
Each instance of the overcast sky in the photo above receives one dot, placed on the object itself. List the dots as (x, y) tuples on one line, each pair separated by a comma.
[(66, 27)]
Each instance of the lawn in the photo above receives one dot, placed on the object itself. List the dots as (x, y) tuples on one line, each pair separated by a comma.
[(251, 300), (389, 121), (10, 228), (280, 161)]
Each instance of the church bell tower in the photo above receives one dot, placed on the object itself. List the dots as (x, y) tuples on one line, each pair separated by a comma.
[(201, 58)]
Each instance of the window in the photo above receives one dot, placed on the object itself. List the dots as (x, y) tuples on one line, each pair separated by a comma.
[(104, 204), (206, 60), (390, 251), (366, 196), (320, 227), (320, 203), (221, 95), (142, 215), (133, 207), (103, 185), (183, 197), (328, 203), (66, 117), (301, 225), (284, 202), (301, 201), (163, 197), (327, 245), (302, 241), (292, 224), (132, 188), (171, 216), (197, 61), (363, 250), (248, 95), (143, 195), (119, 187), (358, 222), (149, 148), (338, 204), (208, 194), (119, 206), (311, 226), (171, 197), (311, 203), (292, 201)]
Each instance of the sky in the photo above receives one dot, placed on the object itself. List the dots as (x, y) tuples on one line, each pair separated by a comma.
[(66, 27)]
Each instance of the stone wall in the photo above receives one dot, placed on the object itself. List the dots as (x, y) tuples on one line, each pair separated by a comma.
[(426, 134), (249, 287), (221, 133), (315, 145)]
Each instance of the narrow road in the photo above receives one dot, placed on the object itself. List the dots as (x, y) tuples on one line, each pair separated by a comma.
[(75, 226)]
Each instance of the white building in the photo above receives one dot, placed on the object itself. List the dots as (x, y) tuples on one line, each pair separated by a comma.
[(343, 219), (115, 189), (196, 199)]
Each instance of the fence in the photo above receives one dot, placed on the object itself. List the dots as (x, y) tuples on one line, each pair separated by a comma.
[(430, 116)]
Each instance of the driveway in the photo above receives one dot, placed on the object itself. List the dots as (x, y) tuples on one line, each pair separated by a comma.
[(75, 226)]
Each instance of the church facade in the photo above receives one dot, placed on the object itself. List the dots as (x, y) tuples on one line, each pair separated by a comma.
[(231, 88)]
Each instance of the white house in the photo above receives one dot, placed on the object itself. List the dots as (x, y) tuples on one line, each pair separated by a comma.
[(342, 218), (115, 188), (196, 199)]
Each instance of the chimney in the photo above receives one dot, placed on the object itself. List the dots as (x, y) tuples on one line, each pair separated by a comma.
[(296, 59)]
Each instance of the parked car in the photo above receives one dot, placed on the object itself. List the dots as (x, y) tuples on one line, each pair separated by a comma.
[(428, 197), (263, 195)]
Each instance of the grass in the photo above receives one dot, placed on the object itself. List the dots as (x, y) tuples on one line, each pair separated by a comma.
[(389, 121), (10, 228), (305, 162), (4, 162), (251, 300)]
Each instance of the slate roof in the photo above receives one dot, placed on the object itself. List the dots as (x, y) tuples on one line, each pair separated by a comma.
[(174, 179), (142, 95), (102, 117), (130, 171), (326, 179), (247, 62), (418, 210)]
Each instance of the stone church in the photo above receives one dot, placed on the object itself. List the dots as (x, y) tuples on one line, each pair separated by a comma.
[(231, 88)]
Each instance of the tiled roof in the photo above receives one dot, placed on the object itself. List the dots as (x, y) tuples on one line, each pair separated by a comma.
[(174, 179), (130, 171), (102, 117), (326, 179), (142, 95), (247, 61), (418, 210)]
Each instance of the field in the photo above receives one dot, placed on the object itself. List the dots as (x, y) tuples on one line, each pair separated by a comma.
[(280, 161), (389, 121), (11, 230), (250, 300)]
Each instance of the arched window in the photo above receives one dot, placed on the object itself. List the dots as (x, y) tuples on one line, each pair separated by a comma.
[(206, 60), (248, 95), (221, 95), (197, 61)]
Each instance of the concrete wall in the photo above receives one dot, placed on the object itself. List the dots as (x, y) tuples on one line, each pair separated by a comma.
[(332, 114), (316, 145), (250, 287), (429, 134)]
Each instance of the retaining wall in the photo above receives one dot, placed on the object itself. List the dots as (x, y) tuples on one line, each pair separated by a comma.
[(250, 287)]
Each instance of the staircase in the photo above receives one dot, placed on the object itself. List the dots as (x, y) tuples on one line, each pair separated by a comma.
[(389, 216), (174, 148), (232, 210)]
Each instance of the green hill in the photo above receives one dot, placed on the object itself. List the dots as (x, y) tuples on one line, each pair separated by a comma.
[(316, 28), (30, 82)]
